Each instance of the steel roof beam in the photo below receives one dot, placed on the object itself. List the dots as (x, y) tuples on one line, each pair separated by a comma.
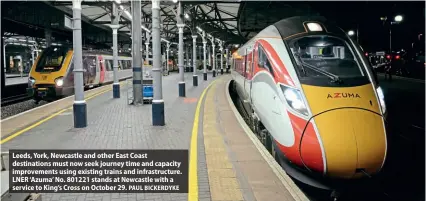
[(109, 22), (226, 12)]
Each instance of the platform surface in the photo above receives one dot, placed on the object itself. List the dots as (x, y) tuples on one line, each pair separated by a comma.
[(228, 162), (236, 168), (4, 176), (16, 80)]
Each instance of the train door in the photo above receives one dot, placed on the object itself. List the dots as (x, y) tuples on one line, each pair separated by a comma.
[(102, 69), (252, 72), (85, 73), (89, 66), (98, 71), (245, 76)]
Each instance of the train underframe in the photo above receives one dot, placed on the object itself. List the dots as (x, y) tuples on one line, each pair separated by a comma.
[(49, 93)]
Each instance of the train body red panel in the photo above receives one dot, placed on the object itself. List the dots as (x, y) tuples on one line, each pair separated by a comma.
[(311, 88)]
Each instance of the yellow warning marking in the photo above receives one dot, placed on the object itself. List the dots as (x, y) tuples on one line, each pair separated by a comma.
[(10, 137), (193, 161), (31, 127), (222, 177)]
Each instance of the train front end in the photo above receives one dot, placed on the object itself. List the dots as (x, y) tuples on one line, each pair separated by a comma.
[(337, 111), (47, 79)]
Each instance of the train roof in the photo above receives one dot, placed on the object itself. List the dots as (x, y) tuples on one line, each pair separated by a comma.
[(298, 25)]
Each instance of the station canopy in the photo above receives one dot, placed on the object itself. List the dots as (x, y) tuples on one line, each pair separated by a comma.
[(233, 22)]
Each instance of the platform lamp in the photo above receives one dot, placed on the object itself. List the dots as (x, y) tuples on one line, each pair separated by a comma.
[(397, 19)]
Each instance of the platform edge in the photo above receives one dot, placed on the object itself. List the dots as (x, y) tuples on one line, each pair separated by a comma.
[(295, 192)]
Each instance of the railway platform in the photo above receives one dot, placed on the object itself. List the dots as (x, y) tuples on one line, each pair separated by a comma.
[(226, 162), (16, 80)]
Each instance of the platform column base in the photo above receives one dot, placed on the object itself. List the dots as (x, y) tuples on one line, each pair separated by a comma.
[(80, 114), (195, 80), (181, 89), (205, 76), (158, 113), (214, 73), (116, 90)]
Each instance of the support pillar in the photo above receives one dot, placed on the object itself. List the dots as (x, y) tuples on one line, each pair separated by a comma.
[(167, 58), (214, 59), (200, 55), (221, 60), (4, 56), (227, 60), (194, 61), (158, 102), (136, 52), (115, 26), (180, 26), (48, 36), (204, 59), (147, 48), (79, 106), (187, 63), (3, 68)]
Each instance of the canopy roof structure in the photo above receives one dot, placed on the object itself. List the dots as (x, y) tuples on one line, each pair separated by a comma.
[(218, 19), (232, 21)]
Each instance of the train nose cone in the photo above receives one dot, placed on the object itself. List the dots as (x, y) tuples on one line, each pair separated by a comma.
[(353, 140)]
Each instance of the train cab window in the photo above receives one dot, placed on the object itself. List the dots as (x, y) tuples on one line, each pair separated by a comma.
[(51, 59), (319, 56), (263, 60)]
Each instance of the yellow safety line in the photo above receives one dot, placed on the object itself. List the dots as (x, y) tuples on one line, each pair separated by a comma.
[(31, 127), (193, 161), (10, 137)]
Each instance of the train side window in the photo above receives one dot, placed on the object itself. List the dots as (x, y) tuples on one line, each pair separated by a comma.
[(108, 65), (129, 65), (125, 64), (263, 60), (120, 65)]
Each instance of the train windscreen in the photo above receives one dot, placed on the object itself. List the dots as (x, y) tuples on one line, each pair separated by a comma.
[(325, 56), (51, 59)]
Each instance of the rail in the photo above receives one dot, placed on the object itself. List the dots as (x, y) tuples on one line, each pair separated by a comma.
[(14, 99)]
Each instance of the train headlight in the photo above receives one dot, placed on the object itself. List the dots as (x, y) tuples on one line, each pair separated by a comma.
[(294, 99), (31, 82), (59, 81), (381, 99)]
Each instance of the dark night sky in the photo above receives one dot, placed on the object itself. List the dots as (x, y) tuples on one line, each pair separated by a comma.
[(373, 36)]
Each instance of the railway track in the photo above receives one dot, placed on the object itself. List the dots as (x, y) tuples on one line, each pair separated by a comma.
[(14, 99)]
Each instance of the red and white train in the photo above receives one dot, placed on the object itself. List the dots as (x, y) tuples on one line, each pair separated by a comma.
[(52, 74), (311, 97)]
